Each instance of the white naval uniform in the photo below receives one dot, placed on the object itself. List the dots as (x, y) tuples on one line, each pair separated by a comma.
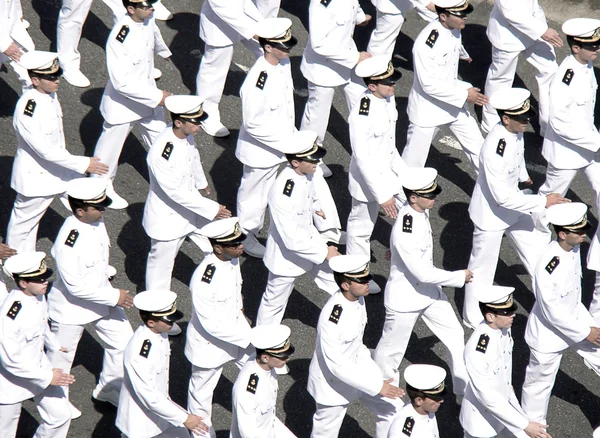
[(375, 167), (145, 407), (12, 30), (516, 27), (413, 290), (497, 207), (294, 245), (268, 118), (42, 165), (25, 370), (438, 97), (222, 24), (490, 404), (254, 397), (268, 8), (422, 426), (558, 321), (131, 96), (174, 208), (328, 60), (593, 264), (342, 370), (218, 331), (82, 294)]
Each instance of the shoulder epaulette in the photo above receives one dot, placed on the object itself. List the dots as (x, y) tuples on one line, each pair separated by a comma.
[(365, 104), (551, 266), (432, 38), (568, 77), (482, 344), (123, 33), (336, 313), (72, 238), (166, 153), (252, 383), (209, 273), (407, 223), (30, 108), (289, 187), (145, 351), (14, 310), (409, 423), (501, 147), (262, 80)]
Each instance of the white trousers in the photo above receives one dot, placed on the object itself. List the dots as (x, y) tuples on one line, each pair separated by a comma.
[(529, 243), (111, 141), (268, 8), (21, 233), (383, 38), (541, 374), (115, 332), (501, 76), (595, 304), (318, 105), (279, 288), (439, 316), (252, 197), (361, 223), (418, 140), (53, 408), (559, 180)]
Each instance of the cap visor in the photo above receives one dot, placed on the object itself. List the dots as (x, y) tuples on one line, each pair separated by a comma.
[(42, 277), (285, 45), (525, 117), (196, 120), (362, 280), (286, 353), (174, 317), (466, 12), (235, 241), (395, 77), (316, 156), (105, 203)]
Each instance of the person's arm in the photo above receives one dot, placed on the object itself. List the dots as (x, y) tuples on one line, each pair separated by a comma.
[(525, 23), (246, 408), (160, 47), (233, 13), (5, 39), (198, 170)]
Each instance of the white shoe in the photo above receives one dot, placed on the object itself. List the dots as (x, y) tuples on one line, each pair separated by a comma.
[(374, 288), (591, 366), (282, 371), (156, 73), (161, 12), (175, 330), (76, 78), (326, 170), (75, 413), (111, 397), (118, 203), (253, 247), (215, 129)]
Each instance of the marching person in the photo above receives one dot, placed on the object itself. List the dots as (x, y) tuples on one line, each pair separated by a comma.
[(490, 407), (219, 331), (341, 369), (14, 39), (268, 121), (25, 370), (175, 208), (42, 165), (558, 320), (516, 27), (294, 245), (437, 96), (254, 394), (145, 407), (82, 293), (498, 206), (425, 386), (414, 288), (131, 96), (376, 166)]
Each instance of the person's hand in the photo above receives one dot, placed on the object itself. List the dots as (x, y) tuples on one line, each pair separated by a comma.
[(363, 56), (551, 36), (389, 207), (468, 60), (475, 97), (97, 167), (528, 182), (6, 251), (468, 276), (14, 52), (388, 255), (195, 424), (594, 336), (367, 20), (332, 251), (390, 391), (223, 213), (321, 213), (537, 430), (125, 300), (165, 95), (555, 198), (206, 190), (63, 350), (61, 379)]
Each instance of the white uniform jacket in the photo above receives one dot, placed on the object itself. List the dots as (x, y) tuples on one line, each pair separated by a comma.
[(294, 245), (398, 6), (253, 402), (515, 25), (376, 165), (558, 318), (593, 256), (42, 165), (572, 139), (174, 207), (414, 282), (218, 330), (131, 92), (490, 402), (11, 26), (341, 368), (437, 95), (81, 292), (421, 426), (225, 22), (497, 202), (145, 408), (25, 370), (268, 115), (331, 53)]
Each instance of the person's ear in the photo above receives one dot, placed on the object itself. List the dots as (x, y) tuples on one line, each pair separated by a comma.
[(151, 323), (295, 163), (131, 10), (505, 120)]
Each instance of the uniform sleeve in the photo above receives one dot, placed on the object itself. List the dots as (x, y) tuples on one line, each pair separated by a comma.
[(51, 341), (525, 23), (198, 171), (160, 47), (236, 17), (5, 39), (246, 406)]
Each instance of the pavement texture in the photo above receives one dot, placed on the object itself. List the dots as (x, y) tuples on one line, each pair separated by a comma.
[(575, 405)]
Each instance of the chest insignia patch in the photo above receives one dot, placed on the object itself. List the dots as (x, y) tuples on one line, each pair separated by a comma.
[(209, 273), (123, 33), (145, 351), (568, 77), (365, 104), (289, 187), (336, 313), (407, 429), (482, 345), (501, 147), (252, 383), (14, 310), (262, 80), (432, 38), (30, 108), (407, 222), (550, 267), (325, 2), (166, 153), (72, 238)]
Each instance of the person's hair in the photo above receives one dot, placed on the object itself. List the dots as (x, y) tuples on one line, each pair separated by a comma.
[(558, 229), (77, 203), (408, 193), (32, 74), (175, 117), (127, 3), (147, 316), (485, 310), (260, 352), (340, 278), (263, 42), (413, 394), (572, 42)]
